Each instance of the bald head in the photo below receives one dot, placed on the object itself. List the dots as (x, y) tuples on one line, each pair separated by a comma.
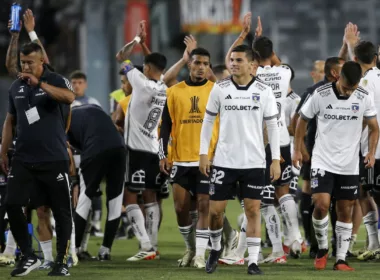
[(317, 74)]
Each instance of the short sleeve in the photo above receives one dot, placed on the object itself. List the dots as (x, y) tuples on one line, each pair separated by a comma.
[(61, 82), (137, 79), (370, 109), (270, 107), (11, 105), (311, 106), (213, 103)]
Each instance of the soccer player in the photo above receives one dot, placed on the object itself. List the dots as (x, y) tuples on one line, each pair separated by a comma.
[(333, 66), (36, 107), (79, 81), (102, 156), (243, 103), (141, 137), (340, 108), (182, 120), (365, 54), (278, 78)]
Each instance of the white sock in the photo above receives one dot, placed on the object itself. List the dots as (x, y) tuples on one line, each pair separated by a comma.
[(152, 215), (273, 224), (370, 222), (216, 238), (290, 215), (194, 218), (47, 249), (136, 218), (321, 228), (242, 244), (188, 236), (86, 236), (104, 250), (10, 249), (343, 235), (96, 220), (352, 242), (253, 244), (228, 231), (72, 240), (202, 237), (284, 232)]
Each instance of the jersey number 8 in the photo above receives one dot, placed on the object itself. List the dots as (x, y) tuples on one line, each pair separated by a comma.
[(153, 118), (217, 177)]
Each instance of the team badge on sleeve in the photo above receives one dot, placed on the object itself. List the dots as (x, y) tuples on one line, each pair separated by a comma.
[(355, 107)]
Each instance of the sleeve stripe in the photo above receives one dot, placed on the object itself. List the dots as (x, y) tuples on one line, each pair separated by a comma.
[(68, 84), (270, 117), (211, 113), (304, 117), (370, 117)]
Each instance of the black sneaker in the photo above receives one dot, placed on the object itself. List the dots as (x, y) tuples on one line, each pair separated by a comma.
[(59, 269), (85, 256), (212, 260), (253, 269), (104, 257), (313, 252), (25, 265)]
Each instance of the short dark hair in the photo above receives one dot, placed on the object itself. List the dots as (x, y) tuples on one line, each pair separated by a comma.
[(77, 74), (264, 46), (351, 72), (157, 60), (201, 52), (330, 63), (30, 47), (251, 55), (219, 69), (365, 52), (291, 70)]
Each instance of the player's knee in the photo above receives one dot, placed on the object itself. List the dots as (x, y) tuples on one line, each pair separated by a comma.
[(203, 206), (180, 206), (321, 208)]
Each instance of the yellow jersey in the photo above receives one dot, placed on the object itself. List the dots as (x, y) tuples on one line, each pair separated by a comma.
[(186, 103), (124, 102)]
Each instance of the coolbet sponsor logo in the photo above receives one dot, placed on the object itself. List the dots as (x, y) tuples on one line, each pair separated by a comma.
[(340, 117), (240, 108)]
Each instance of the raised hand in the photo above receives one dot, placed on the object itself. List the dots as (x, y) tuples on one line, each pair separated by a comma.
[(143, 33), (247, 24), (29, 22), (141, 29), (29, 78), (259, 28), (351, 34), (191, 43), (10, 26)]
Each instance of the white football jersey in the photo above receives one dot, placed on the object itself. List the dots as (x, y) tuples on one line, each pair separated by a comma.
[(144, 112), (278, 78), (371, 83), (339, 127), (242, 110)]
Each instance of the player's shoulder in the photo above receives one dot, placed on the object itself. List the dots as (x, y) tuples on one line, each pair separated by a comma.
[(224, 83), (17, 86), (282, 69), (180, 85), (361, 90), (260, 85), (324, 90), (293, 96)]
